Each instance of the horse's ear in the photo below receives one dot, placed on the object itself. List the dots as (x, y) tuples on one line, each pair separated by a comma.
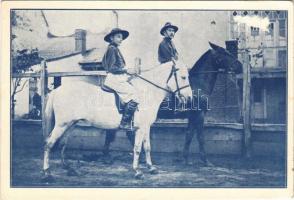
[(214, 46)]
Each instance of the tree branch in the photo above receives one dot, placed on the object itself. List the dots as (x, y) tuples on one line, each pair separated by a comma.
[(17, 91)]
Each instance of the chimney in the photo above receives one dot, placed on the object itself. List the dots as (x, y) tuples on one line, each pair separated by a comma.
[(80, 39)]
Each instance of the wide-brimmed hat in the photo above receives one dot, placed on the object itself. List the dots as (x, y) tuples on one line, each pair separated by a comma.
[(168, 25), (114, 31)]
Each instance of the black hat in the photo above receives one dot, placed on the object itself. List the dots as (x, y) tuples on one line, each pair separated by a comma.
[(168, 25), (114, 31)]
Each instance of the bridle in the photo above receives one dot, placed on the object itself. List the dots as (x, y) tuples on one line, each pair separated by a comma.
[(219, 61), (174, 73)]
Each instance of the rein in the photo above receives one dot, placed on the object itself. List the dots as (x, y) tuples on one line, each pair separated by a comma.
[(154, 84), (173, 72), (217, 71)]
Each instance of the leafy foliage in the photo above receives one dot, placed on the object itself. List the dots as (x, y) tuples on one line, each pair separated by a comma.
[(24, 59)]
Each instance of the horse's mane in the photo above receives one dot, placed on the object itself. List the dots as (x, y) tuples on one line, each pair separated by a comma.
[(200, 62)]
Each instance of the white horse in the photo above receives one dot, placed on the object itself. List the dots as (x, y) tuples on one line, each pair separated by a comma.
[(84, 102)]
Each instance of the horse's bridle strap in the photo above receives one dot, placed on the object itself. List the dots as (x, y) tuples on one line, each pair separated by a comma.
[(177, 90)]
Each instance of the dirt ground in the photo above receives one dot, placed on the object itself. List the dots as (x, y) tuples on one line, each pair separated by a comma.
[(228, 171)]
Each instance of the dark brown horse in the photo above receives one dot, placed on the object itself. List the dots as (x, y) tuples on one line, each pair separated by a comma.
[(202, 77)]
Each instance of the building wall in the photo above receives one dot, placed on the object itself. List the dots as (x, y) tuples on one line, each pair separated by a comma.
[(268, 41), (270, 93), (224, 106), (276, 101)]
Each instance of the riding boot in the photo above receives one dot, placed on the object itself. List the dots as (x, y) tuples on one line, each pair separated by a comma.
[(126, 121)]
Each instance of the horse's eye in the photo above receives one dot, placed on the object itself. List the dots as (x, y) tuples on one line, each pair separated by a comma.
[(183, 77)]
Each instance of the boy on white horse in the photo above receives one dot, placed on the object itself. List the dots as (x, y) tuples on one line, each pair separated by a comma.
[(118, 76)]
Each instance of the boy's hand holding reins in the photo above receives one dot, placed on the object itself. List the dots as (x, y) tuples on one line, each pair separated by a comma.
[(131, 71)]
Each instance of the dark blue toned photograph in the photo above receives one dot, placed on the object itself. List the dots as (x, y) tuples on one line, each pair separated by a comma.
[(148, 98)]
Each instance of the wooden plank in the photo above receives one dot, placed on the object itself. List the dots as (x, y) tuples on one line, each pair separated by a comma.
[(267, 137), (268, 149), (180, 123), (58, 74), (269, 127), (26, 75), (79, 73), (258, 73)]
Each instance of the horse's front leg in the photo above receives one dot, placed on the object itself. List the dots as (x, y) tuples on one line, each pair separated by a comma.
[(147, 148), (188, 139), (201, 140), (139, 137)]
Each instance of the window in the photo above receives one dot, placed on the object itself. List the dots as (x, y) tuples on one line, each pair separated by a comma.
[(271, 15), (282, 58), (254, 31), (282, 15), (258, 94), (270, 30), (282, 27)]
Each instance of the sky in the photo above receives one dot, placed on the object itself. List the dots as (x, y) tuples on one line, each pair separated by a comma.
[(65, 22), (97, 21)]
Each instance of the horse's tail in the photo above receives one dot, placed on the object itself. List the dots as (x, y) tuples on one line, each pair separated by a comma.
[(49, 115)]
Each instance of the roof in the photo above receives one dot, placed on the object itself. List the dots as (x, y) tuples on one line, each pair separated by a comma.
[(63, 47), (93, 56)]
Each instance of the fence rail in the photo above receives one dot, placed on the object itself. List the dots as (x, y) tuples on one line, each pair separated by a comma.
[(60, 74), (183, 123)]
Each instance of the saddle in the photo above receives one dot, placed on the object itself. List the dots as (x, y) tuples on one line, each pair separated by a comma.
[(120, 105)]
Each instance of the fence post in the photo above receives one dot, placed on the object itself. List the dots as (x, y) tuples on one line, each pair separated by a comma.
[(138, 63), (44, 82), (246, 106)]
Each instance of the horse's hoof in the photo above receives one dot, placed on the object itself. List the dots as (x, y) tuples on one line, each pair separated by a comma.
[(153, 170), (188, 163), (47, 177), (208, 164), (139, 174), (108, 160), (72, 172)]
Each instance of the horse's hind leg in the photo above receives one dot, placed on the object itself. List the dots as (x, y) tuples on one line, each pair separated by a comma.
[(109, 138), (56, 133), (131, 137), (63, 156)]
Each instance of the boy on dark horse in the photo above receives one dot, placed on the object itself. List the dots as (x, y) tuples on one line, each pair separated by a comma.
[(167, 50), (118, 76)]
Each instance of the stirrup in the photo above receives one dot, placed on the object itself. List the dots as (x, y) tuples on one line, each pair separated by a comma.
[(128, 128)]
